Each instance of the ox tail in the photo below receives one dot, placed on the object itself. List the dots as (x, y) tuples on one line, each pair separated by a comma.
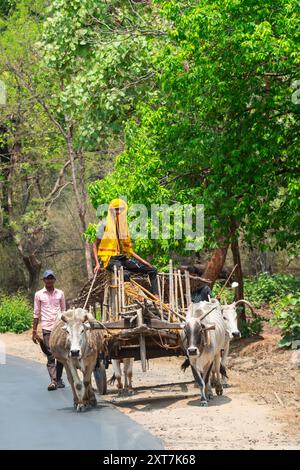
[(112, 380), (185, 364), (223, 371)]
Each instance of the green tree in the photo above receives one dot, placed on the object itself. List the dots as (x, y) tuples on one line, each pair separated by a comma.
[(223, 130), (32, 163)]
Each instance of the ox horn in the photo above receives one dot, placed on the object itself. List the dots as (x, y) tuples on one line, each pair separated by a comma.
[(242, 301), (88, 317)]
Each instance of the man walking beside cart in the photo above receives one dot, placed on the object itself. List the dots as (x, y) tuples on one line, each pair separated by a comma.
[(49, 303)]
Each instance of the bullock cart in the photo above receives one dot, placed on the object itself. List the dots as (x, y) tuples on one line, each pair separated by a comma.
[(138, 325)]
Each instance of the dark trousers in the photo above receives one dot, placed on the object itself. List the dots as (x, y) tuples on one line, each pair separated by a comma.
[(55, 368), (133, 266)]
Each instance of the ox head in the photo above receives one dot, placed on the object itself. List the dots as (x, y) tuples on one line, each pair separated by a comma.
[(76, 327), (230, 316), (194, 336)]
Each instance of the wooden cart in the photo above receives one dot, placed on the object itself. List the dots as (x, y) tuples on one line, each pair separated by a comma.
[(139, 325)]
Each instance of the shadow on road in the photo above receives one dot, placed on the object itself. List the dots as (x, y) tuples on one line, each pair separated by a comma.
[(215, 401)]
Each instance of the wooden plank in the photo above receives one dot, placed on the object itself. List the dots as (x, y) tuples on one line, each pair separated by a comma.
[(125, 324), (152, 353), (116, 325), (163, 325)]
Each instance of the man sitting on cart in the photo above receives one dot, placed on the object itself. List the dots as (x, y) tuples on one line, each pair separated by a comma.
[(113, 246)]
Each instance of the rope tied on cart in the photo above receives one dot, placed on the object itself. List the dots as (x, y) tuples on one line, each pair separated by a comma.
[(164, 345)]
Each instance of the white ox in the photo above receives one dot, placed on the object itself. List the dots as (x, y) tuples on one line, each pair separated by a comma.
[(203, 338), (229, 313), (77, 346)]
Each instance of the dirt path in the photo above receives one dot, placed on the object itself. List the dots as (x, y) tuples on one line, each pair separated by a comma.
[(250, 415)]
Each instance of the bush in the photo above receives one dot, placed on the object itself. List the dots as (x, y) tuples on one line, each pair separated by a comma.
[(15, 314), (265, 288), (286, 315), (251, 327)]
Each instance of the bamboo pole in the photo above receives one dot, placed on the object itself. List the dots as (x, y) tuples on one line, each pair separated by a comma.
[(160, 301), (165, 306), (218, 296), (122, 288), (181, 289), (176, 291), (188, 288), (171, 296), (115, 293), (105, 310), (119, 292), (142, 340), (163, 288)]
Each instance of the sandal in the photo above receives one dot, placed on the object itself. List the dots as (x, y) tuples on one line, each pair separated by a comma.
[(52, 386)]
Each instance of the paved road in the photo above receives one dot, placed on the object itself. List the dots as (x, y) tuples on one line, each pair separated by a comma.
[(33, 418)]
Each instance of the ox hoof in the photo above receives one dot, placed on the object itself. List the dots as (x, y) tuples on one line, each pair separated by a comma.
[(203, 403), (93, 403), (80, 407), (219, 391)]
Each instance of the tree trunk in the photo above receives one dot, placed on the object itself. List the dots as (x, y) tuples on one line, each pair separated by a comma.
[(238, 275), (33, 266), (80, 193), (216, 263)]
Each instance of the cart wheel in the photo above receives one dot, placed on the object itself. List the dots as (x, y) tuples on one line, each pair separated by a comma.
[(100, 378)]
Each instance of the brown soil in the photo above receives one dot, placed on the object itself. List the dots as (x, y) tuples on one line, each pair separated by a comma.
[(260, 410)]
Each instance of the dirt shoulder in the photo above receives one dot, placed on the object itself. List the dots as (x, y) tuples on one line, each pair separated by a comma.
[(260, 410)]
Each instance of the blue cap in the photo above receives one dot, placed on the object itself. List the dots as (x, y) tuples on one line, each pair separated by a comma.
[(48, 273)]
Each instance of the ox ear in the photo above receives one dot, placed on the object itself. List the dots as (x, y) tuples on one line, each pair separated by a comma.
[(87, 325), (212, 326)]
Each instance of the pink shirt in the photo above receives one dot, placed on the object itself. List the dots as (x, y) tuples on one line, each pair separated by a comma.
[(48, 305)]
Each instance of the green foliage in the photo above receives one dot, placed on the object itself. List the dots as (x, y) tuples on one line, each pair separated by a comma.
[(31, 148), (251, 327), (90, 233), (227, 294), (222, 129), (286, 315), (15, 314), (102, 56), (265, 288), (6, 6)]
